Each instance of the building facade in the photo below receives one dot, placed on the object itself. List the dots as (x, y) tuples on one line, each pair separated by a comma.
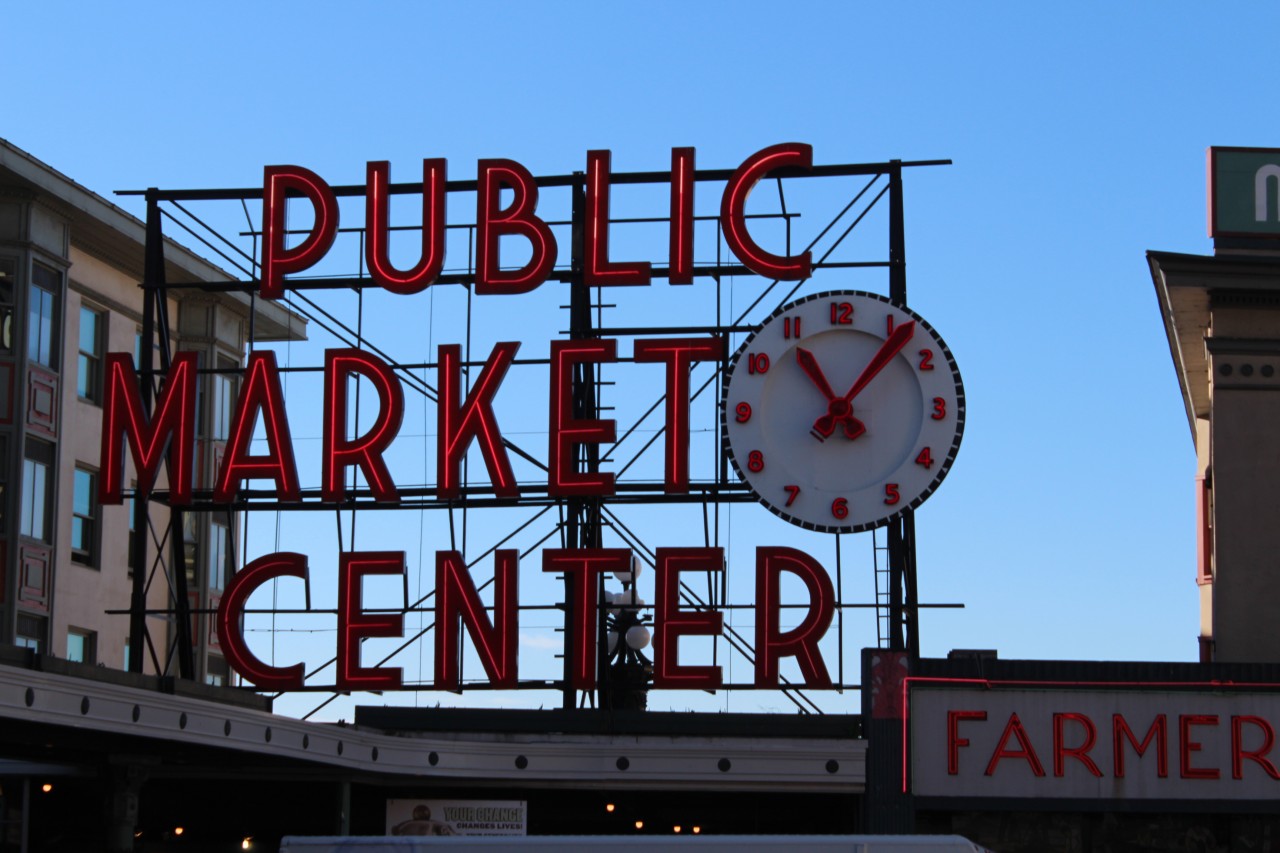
[(1221, 313), (70, 267)]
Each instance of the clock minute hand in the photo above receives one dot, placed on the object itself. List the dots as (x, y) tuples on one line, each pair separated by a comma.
[(809, 365), (891, 347)]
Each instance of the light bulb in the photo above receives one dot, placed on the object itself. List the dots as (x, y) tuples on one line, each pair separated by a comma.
[(637, 637)]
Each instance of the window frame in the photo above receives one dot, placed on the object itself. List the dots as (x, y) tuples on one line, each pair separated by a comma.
[(38, 455), (86, 556), (46, 352), (89, 363), (88, 645), (219, 553), (8, 291), (25, 637)]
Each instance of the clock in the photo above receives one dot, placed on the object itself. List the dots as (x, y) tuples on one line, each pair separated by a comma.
[(843, 411)]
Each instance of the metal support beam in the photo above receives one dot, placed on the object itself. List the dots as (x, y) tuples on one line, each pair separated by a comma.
[(155, 321), (903, 603)]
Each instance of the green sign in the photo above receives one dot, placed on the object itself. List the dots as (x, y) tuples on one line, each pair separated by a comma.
[(1244, 192)]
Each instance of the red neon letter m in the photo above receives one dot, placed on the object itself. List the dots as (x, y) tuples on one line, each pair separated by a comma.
[(171, 427)]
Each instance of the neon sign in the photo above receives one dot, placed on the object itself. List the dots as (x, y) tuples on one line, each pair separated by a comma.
[(466, 417), (518, 219)]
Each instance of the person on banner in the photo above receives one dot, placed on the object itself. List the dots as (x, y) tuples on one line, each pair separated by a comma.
[(422, 824)]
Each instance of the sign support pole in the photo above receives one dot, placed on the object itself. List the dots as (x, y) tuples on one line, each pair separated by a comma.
[(903, 603), (583, 521)]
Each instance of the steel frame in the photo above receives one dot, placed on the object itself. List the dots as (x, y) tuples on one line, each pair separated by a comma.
[(580, 521)]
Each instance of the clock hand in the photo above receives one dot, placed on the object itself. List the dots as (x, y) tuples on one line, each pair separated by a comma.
[(839, 409), (809, 365), (891, 347)]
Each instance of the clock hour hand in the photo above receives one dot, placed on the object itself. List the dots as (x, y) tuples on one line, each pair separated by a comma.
[(840, 409), (809, 365), (837, 409)]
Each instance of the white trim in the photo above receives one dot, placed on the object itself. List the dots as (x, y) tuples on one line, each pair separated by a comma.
[(794, 764)]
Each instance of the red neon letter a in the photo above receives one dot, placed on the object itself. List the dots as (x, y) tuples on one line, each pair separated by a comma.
[(1015, 729), (261, 393)]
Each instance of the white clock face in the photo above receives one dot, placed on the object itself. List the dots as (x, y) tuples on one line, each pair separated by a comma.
[(842, 411)]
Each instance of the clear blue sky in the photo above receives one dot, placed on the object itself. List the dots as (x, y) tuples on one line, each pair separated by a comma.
[(1078, 133)]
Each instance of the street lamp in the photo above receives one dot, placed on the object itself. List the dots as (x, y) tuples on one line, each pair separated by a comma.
[(627, 669)]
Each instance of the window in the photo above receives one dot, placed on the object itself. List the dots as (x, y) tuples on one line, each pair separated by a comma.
[(190, 547), (84, 518), (8, 280), (137, 350), (216, 671), (133, 527), (31, 632), (82, 646), (223, 391), (219, 536), (89, 366), (4, 478), (42, 323), (36, 490)]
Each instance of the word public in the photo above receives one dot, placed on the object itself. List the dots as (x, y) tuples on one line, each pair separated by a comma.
[(517, 220)]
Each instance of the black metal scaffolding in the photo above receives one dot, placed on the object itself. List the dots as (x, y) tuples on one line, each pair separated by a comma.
[(582, 522)]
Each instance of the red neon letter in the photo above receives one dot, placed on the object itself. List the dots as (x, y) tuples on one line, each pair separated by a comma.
[(772, 642), (598, 269), (172, 423), (1188, 746), (681, 256), (354, 624), (1159, 730), (231, 609), (278, 181), (584, 566), (377, 250), (1079, 753), (458, 427), (458, 601), (365, 451), (1028, 752), (493, 223), (954, 741), (261, 393), (679, 354), (1239, 753), (733, 212), (671, 623), (568, 428)]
